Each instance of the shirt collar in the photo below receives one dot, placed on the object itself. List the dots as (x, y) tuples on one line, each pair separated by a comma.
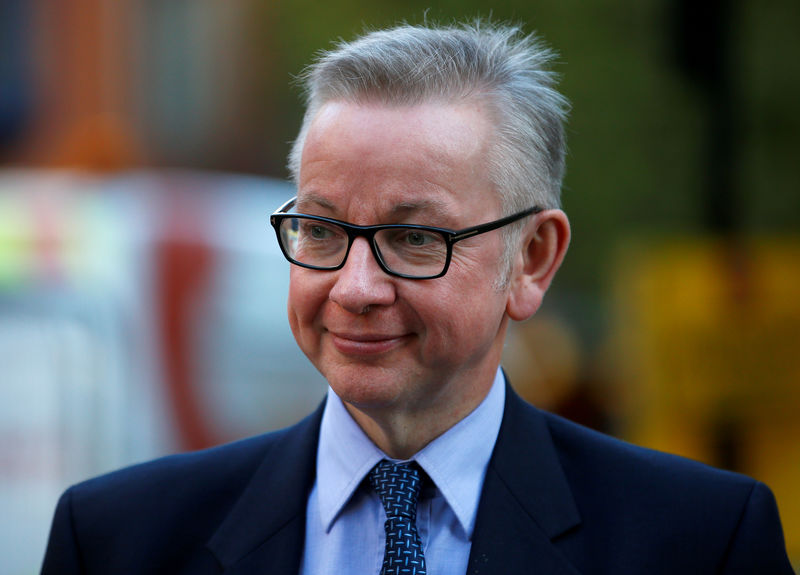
[(456, 461), (345, 455)]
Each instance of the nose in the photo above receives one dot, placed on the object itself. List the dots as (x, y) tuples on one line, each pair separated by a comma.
[(361, 284)]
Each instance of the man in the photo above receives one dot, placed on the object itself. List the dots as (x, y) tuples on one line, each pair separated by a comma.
[(428, 171)]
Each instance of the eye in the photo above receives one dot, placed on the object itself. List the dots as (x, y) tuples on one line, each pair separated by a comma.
[(414, 238), (318, 231), (417, 238)]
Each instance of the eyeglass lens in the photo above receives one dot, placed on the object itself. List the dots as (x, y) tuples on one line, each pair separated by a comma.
[(407, 251)]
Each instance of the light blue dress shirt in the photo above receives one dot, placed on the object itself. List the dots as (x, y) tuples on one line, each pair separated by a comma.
[(344, 518)]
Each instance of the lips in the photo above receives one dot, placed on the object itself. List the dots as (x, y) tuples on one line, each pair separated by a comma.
[(365, 343)]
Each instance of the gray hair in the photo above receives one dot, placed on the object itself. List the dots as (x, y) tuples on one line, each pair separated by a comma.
[(495, 64)]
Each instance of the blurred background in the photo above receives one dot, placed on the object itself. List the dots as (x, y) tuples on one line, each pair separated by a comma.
[(142, 294)]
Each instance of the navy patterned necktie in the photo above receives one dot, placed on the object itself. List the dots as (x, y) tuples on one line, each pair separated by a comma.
[(398, 487)]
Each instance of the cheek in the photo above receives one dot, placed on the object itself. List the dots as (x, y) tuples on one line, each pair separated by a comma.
[(294, 322), (462, 319), (306, 298)]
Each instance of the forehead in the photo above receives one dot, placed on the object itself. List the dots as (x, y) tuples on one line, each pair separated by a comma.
[(431, 155)]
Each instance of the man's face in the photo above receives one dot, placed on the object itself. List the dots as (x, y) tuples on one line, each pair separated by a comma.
[(386, 343)]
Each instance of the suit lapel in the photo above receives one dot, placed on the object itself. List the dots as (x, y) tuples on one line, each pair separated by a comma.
[(265, 531), (526, 502), (525, 505)]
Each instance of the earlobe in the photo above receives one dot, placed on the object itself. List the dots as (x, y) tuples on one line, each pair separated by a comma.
[(542, 249)]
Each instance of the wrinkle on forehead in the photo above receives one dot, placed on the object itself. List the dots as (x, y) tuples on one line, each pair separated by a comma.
[(447, 143), (369, 164)]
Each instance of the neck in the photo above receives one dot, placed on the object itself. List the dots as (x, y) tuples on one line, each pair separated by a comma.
[(401, 434)]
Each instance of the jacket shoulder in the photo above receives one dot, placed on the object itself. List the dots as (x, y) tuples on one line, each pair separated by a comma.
[(229, 465), (668, 509), (613, 461), (158, 516)]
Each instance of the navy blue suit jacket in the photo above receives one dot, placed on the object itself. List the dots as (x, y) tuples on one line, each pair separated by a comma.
[(558, 499)]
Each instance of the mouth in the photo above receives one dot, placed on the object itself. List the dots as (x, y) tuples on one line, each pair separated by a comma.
[(366, 344)]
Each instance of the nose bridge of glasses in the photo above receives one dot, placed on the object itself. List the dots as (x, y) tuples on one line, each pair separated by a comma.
[(365, 233), (360, 283), (362, 253)]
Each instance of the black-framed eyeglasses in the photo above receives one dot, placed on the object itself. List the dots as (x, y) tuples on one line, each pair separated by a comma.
[(402, 250)]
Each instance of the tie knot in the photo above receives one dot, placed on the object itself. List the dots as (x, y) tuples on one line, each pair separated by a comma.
[(398, 487)]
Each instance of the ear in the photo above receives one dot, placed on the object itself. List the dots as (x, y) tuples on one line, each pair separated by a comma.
[(543, 246)]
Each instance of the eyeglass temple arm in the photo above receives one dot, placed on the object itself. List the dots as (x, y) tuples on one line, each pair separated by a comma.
[(482, 228), (288, 204)]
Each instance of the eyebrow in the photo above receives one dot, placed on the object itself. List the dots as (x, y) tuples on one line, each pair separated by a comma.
[(313, 199), (435, 209)]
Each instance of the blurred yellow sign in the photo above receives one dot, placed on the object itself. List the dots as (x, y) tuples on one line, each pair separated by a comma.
[(708, 345)]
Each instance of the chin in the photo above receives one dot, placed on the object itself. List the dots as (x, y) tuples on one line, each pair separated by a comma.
[(365, 387)]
